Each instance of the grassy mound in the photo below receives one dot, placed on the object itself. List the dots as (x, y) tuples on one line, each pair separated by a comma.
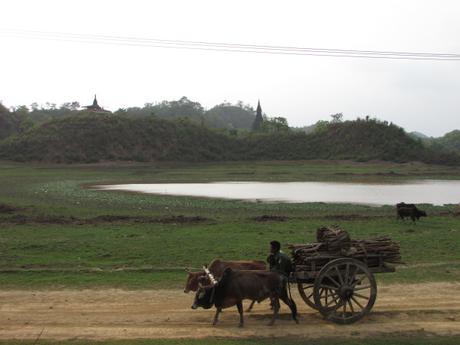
[(107, 137), (93, 138), (361, 140)]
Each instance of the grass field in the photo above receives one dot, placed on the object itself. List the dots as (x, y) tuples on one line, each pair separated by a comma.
[(60, 234)]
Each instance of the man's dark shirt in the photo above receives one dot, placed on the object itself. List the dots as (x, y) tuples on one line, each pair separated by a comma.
[(280, 262)]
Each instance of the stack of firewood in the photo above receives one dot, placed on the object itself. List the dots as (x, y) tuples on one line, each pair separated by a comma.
[(335, 239), (336, 242)]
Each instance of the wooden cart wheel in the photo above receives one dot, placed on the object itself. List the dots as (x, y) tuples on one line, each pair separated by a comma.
[(351, 288), (306, 291)]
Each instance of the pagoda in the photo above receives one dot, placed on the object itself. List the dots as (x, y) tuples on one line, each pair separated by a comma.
[(259, 118), (96, 107)]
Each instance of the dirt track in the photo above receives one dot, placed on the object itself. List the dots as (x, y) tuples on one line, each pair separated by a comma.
[(110, 314)]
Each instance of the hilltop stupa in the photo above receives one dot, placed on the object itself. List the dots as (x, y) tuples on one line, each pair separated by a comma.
[(95, 107), (259, 119)]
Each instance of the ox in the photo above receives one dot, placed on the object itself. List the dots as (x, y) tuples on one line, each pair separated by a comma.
[(217, 268), (235, 286), (403, 204)]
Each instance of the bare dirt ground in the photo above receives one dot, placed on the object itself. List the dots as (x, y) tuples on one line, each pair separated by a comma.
[(122, 314)]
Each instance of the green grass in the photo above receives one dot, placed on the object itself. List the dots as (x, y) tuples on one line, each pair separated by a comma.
[(159, 252), (63, 253)]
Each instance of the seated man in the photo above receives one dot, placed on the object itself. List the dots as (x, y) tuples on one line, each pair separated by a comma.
[(278, 261)]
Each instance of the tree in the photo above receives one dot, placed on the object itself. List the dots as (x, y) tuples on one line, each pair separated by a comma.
[(72, 106), (21, 110), (275, 124), (3, 109), (337, 118), (321, 126)]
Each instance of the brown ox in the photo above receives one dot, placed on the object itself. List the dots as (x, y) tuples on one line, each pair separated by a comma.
[(235, 286), (217, 268)]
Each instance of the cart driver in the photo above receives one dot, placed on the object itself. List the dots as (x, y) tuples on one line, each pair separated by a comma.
[(279, 261)]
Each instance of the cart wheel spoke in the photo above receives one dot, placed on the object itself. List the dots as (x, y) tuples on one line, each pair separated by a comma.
[(347, 274), (322, 292), (351, 307), (306, 291), (333, 281), (361, 296), (330, 298), (329, 287), (354, 300), (335, 300), (362, 288), (359, 281), (352, 275), (337, 306), (339, 275)]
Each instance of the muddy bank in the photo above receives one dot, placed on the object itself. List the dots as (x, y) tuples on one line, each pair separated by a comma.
[(49, 219)]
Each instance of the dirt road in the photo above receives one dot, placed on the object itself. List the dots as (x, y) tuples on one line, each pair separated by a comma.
[(112, 313)]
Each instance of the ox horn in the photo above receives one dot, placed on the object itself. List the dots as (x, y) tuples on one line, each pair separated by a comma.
[(210, 275), (187, 270)]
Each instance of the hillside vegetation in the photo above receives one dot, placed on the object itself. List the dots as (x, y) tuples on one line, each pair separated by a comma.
[(92, 138), (11, 123), (450, 141), (225, 115), (101, 137)]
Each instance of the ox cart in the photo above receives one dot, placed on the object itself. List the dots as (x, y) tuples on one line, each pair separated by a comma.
[(337, 277)]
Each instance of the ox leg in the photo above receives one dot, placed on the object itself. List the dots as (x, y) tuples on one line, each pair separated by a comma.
[(239, 305), (276, 308), (216, 316), (250, 306)]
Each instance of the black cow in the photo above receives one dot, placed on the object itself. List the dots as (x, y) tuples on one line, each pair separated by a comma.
[(403, 204), (235, 286), (404, 210)]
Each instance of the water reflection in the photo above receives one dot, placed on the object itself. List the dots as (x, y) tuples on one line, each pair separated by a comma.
[(435, 192)]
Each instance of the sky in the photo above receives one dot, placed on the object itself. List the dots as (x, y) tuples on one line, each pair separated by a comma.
[(420, 96)]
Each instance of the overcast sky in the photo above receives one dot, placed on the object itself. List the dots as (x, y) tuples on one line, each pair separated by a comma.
[(418, 95)]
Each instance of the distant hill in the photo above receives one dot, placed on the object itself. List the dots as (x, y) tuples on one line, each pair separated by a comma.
[(223, 116), (450, 141), (101, 137), (229, 116), (361, 140), (226, 115), (418, 135)]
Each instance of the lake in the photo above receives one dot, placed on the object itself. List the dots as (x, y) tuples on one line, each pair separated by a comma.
[(437, 192)]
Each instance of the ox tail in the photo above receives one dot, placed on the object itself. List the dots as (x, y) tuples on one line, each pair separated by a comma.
[(289, 289)]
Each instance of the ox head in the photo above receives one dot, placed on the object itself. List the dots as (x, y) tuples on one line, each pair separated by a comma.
[(204, 297), (192, 282)]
